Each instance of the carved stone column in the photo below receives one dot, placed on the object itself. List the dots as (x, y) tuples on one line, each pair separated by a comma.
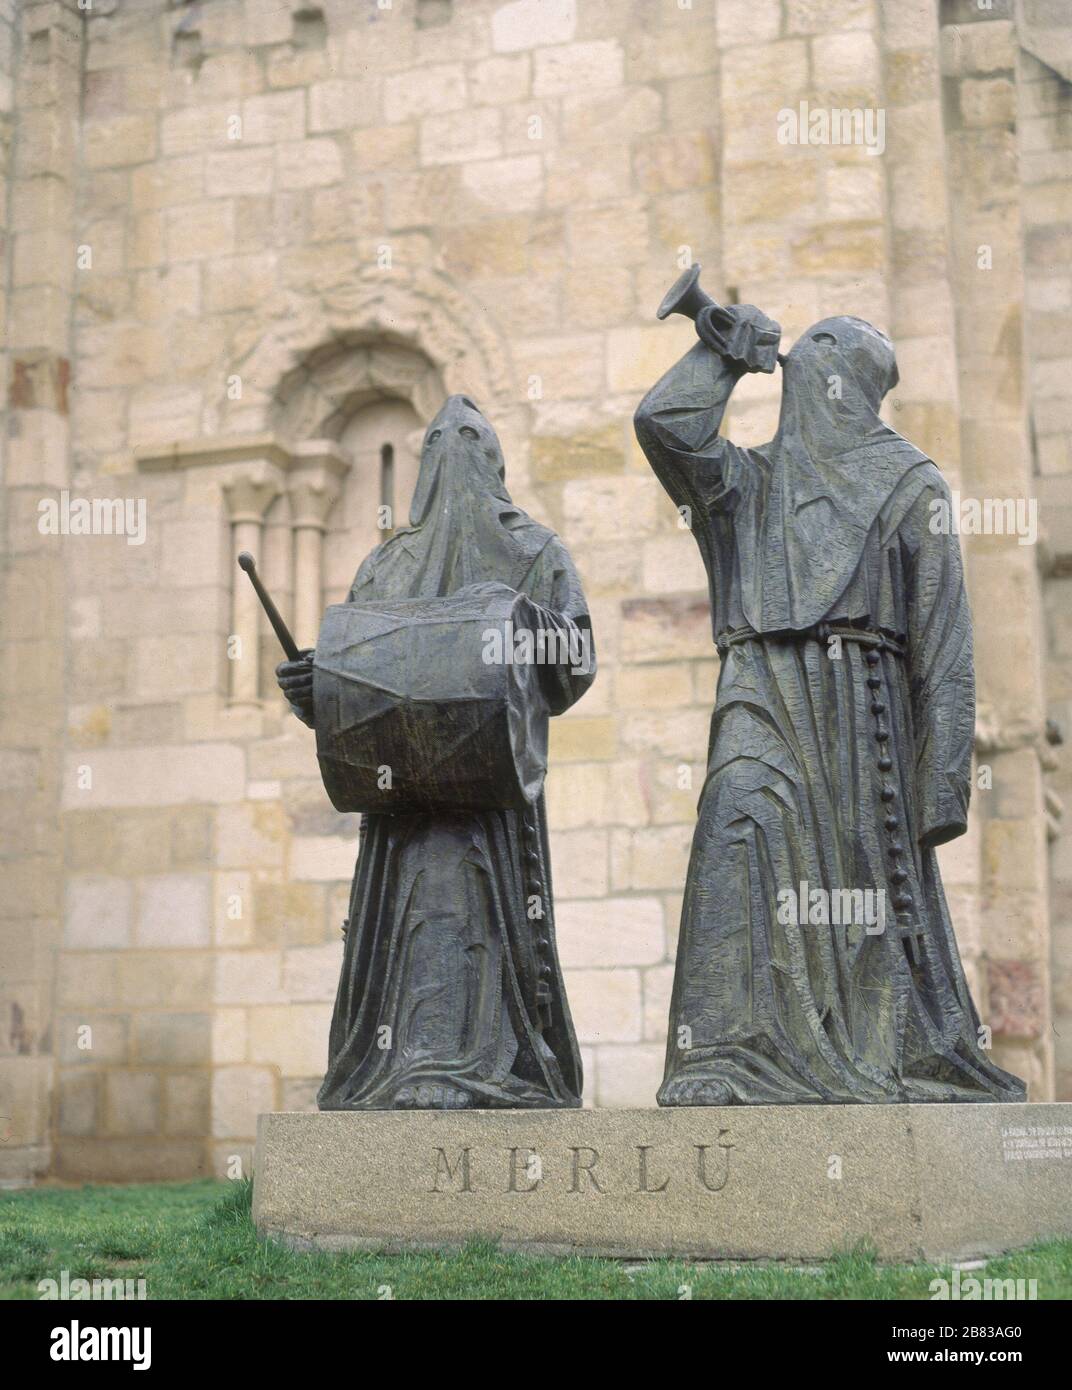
[(254, 470), (313, 487), (248, 493)]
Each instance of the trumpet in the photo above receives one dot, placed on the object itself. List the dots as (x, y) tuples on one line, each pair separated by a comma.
[(686, 297)]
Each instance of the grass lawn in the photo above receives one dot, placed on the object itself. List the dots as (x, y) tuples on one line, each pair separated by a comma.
[(196, 1240)]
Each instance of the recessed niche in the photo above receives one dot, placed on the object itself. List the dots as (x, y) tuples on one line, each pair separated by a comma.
[(310, 29), (187, 50), (431, 14)]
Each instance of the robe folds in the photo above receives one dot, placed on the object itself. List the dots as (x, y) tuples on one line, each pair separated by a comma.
[(839, 753), (450, 994)]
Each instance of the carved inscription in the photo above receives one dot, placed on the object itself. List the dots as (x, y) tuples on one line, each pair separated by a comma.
[(579, 1168)]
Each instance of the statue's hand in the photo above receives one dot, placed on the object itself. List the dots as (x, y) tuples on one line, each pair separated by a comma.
[(296, 682), (742, 333)]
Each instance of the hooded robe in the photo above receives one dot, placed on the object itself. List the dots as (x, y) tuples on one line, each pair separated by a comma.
[(840, 746), (451, 995)]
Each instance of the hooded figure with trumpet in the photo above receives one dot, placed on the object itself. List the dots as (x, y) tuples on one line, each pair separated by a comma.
[(841, 741)]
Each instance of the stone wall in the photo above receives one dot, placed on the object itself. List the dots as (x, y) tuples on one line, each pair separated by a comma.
[(242, 222), (1044, 115), (40, 77)]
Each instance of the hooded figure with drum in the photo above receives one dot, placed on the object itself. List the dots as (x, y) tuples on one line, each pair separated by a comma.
[(431, 719)]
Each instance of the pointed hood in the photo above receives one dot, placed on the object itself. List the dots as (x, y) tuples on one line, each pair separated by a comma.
[(464, 526), (834, 463)]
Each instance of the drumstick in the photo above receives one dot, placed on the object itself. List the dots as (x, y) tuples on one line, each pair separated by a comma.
[(247, 563)]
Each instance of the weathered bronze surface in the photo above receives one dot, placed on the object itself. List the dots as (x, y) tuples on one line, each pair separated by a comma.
[(817, 961), (451, 994), (401, 686)]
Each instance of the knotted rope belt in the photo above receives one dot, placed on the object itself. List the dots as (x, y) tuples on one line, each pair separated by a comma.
[(819, 632)]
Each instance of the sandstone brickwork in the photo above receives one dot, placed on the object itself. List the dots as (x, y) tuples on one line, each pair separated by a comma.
[(247, 243)]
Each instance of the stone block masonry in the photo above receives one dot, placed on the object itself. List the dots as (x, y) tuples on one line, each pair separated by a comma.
[(248, 242)]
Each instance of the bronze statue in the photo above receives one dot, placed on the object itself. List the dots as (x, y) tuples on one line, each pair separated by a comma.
[(431, 715), (817, 961)]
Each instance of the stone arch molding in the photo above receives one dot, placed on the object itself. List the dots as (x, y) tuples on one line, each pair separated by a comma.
[(411, 334), (317, 399)]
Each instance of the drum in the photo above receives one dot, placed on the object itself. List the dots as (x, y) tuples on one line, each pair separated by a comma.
[(421, 704)]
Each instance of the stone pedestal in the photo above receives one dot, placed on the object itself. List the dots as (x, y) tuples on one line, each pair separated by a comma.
[(751, 1182)]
